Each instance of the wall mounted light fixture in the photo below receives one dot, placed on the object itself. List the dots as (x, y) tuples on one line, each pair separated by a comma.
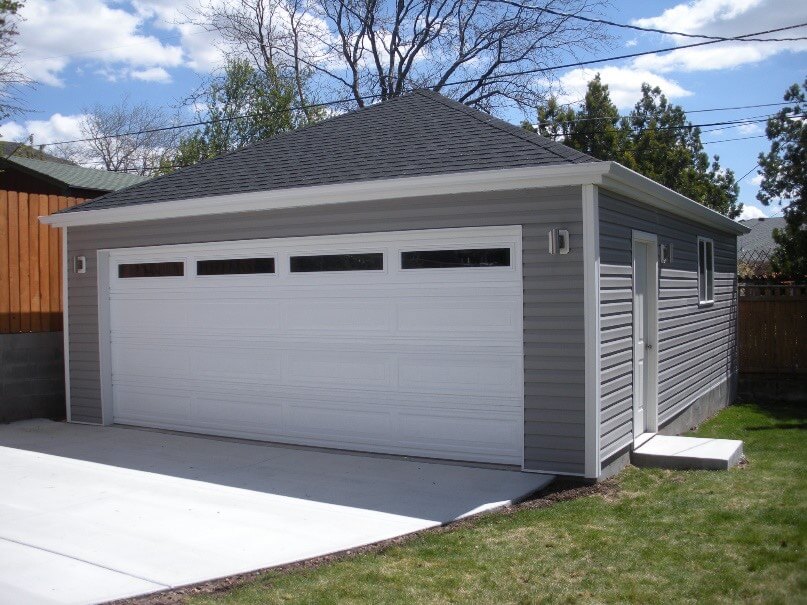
[(559, 241)]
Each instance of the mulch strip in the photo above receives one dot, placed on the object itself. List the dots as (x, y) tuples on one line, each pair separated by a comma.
[(559, 490)]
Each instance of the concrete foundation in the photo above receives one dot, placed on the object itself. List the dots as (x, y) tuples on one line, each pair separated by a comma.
[(703, 408), (31, 376)]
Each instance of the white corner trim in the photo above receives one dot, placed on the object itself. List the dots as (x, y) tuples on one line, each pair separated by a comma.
[(591, 310), (318, 195), (104, 337), (66, 327)]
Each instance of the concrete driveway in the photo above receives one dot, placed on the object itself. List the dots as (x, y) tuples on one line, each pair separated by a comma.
[(89, 514)]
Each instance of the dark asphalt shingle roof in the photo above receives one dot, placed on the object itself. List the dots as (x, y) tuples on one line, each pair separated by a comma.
[(422, 133), (78, 176), (760, 238)]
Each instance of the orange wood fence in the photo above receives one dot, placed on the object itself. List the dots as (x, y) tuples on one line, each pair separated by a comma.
[(30, 263), (773, 329)]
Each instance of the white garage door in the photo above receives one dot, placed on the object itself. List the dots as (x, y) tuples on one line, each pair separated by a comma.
[(405, 343)]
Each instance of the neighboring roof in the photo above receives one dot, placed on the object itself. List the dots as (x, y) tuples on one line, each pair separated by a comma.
[(21, 150), (422, 133), (760, 238), (77, 176)]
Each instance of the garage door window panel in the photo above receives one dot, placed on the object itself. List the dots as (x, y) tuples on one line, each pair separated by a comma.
[(158, 269), (373, 261), (456, 259), (235, 266)]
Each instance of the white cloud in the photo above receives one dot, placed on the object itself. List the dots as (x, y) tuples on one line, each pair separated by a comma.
[(56, 128), (757, 180), (749, 128), (725, 18), (152, 74), (624, 84), (55, 33), (751, 212), (631, 43)]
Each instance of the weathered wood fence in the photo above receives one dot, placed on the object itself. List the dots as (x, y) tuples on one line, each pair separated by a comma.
[(773, 328), (30, 263)]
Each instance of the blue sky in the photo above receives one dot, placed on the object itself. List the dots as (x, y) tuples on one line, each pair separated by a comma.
[(102, 50)]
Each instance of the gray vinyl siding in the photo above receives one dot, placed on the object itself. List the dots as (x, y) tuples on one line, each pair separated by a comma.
[(553, 292), (697, 345)]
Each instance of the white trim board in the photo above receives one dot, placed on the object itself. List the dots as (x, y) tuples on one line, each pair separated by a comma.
[(66, 327), (591, 306), (609, 175)]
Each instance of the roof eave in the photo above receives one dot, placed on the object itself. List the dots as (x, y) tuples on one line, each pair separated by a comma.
[(636, 186), (609, 175), (320, 195)]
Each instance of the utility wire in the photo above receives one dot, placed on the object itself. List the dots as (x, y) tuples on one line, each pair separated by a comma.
[(747, 173), (627, 56), (657, 31), (756, 136), (457, 82), (622, 117), (545, 10), (722, 125), (739, 107)]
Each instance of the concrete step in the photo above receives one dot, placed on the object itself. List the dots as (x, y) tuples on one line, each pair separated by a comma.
[(681, 453)]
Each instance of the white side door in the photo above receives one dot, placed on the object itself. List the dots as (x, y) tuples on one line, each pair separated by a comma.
[(645, 331)]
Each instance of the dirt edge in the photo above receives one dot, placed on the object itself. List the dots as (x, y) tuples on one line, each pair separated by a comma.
[(559, 490)]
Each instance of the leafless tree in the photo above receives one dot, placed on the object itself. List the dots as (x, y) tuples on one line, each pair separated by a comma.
[(124, 138), (12, 78), (485, 53)]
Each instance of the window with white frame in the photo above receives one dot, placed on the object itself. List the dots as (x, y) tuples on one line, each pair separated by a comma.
[(706, 271)]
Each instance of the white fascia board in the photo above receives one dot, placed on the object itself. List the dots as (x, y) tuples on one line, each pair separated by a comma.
[(318, 195), (635, 186), (609, 175)]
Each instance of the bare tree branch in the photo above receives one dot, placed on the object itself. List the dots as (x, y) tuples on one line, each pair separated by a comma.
[(482, 52), (112, 145)]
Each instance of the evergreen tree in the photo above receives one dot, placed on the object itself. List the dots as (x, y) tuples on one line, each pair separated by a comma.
[(784, 175), (241, 107), (598, 131), (656, 140)]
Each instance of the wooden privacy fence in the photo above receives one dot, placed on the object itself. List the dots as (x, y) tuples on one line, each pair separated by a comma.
[(773, 328), (30, 263)]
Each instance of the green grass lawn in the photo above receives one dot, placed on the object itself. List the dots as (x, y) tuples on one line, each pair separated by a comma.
[(656, 537)]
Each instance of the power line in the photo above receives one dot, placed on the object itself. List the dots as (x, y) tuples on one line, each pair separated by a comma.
[(629, 55), (348, 100), (723, 125), (739, 107), (747, 173), (756, 136), (179, 36), (621, 117), (657, 31)]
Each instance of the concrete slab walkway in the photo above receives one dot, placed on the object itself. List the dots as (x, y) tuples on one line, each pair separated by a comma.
[(681, 453), (89, 514)]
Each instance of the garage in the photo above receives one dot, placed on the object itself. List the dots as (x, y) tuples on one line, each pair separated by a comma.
[(405, 342)]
